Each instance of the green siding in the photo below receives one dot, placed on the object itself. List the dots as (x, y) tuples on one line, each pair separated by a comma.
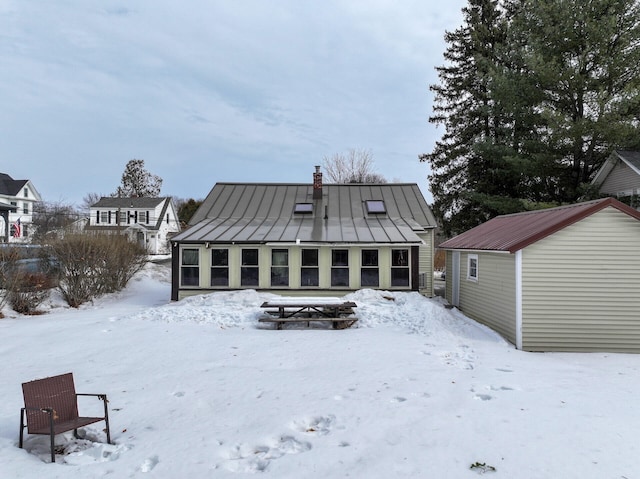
[(491, 299), (581, 287)]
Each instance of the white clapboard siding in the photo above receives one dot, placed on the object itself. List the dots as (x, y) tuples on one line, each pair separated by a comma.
[(621, 179)]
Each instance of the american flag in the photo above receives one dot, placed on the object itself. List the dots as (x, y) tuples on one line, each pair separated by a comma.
[(16, 228)]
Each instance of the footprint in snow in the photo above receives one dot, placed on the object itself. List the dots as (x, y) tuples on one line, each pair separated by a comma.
[(149, 464), (317, 425)]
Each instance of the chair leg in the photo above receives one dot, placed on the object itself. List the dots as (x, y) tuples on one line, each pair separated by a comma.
[(52, 437), (21, 427), (106, 418)]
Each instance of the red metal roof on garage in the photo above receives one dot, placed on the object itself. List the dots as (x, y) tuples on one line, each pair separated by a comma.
[(516, 231)]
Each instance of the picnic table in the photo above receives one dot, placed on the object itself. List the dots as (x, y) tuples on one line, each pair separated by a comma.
[(304, 310)]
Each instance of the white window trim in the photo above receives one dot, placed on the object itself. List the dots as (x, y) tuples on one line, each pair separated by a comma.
[(469, 259)]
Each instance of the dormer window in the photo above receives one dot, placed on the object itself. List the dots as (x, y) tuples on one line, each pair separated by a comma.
[(376, 207), (303, 208)]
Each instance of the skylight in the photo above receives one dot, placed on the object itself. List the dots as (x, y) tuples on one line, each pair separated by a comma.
[(376, 206), (303, 208)]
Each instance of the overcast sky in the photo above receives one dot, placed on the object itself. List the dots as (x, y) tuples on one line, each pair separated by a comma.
[(208, 91)]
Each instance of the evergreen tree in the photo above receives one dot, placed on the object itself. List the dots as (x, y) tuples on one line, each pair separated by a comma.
[(138, 182), (584, 59), (533, 98), (472, 177)]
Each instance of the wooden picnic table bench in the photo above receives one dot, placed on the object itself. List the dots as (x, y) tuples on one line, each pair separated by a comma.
[(297, 310)]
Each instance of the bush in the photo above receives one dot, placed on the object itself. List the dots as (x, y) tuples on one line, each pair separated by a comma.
[(30, 291), (92, 265)]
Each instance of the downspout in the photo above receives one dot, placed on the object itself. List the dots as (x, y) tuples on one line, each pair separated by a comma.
[(175, 270), (519, 299)]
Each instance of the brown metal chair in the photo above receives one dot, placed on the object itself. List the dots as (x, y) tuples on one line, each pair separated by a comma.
[(51, 407)]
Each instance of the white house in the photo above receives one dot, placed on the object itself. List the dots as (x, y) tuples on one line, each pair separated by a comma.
[(19, 197), (149, 221)]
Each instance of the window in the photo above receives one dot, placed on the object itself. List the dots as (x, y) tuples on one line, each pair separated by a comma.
[(303, 208), (143, 217), (369, 274), (376, 206), (25, 208), (124, 216), (399, 267), (472, 267), (26, 192), (279, 267), (309, 270), (190, 267), (249, 269), (104, 217), (219, 267), (340, 267)]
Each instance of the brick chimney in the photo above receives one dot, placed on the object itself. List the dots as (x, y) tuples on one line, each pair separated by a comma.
[(317, 184)]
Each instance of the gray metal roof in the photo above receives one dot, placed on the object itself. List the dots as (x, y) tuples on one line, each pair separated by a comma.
[(264, 212), (133, 202)]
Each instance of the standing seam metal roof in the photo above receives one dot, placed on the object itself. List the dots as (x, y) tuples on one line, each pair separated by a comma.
[(264, 212), (516, 231)]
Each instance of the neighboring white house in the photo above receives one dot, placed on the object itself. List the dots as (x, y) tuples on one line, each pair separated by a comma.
[(306, 239), (149, 221), (21, 197), (560, 279), (619, 176)]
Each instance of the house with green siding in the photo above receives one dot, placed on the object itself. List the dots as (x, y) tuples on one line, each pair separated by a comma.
[(560, 279), (306, 239)]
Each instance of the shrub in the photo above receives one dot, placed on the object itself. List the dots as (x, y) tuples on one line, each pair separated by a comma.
[(92, 265), (30, 291)]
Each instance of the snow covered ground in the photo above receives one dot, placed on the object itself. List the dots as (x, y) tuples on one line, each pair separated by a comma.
[(198, 389)]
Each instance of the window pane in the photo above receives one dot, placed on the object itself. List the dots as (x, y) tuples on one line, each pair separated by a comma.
[(370, 257), (279, 276), (400, 257), (309, 277), (376, 206), (339, 276), (219, 276), (190, 257), (369, 277), (303, 208), (309, 257), (190, 276), (400, 277), (249, 257), (279, 257), (220, 257), (249, 276), (340, 257)]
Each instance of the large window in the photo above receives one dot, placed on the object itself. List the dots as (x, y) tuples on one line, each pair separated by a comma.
[(399, 267), (190, 267), (279, 267), (472, 267), (219, 267), (369, 273), (309, 270), (340, 267), (249, 271), (104, 217)]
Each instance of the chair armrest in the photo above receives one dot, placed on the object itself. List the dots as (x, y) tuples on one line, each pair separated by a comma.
[(99, 396), (48, 410)]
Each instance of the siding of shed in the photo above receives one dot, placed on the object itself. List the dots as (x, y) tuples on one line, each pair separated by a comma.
[(621, 179), (492, 299), (581, 287)]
